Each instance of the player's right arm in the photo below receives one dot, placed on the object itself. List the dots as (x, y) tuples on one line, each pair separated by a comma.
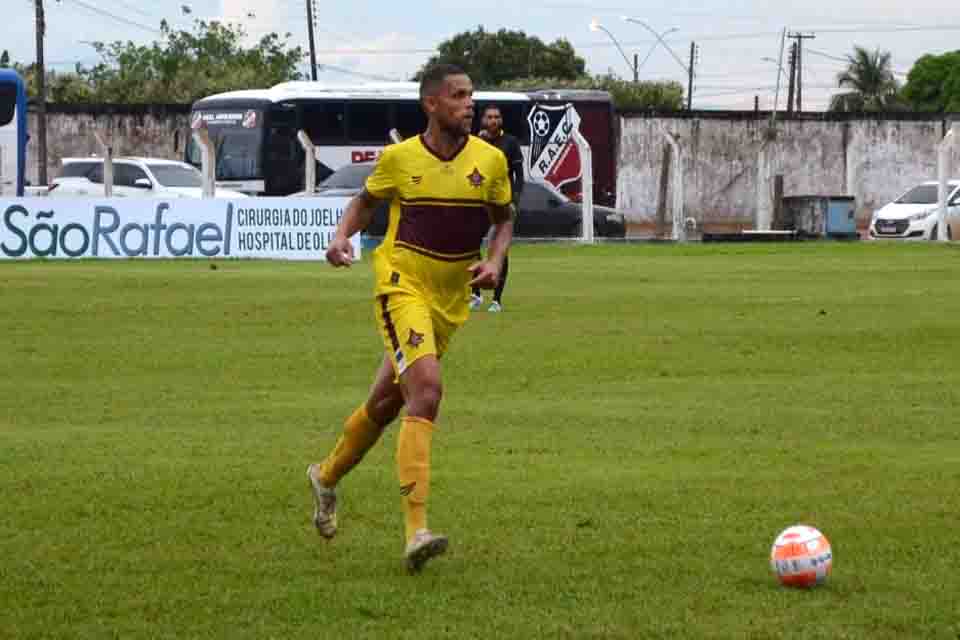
[(379, 186), (357, 217)]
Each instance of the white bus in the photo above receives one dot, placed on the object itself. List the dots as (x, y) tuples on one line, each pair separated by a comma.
[(257, 152), (13, 133)]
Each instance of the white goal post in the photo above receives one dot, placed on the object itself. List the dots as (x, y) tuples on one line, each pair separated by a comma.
[(586, 182), (944, 169)]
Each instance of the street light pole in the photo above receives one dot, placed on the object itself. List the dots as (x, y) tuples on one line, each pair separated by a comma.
[(41, 27), (659, 39), (313, 50), (657, 44), (596, 26)]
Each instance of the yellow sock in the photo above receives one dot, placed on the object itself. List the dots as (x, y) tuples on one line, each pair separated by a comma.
[(413, 468), (359, 434)]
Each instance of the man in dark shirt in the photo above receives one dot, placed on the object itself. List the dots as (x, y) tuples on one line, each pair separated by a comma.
[(492, 123)]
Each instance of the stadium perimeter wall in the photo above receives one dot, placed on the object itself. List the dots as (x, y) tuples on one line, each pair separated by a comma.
[(155, 131), (871, 158)]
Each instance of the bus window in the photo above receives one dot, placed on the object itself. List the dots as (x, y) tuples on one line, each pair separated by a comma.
[(283, 117), (368, 122), (284, 156), (409, 119), (514, 119), (238, 154), (8, 103), (324, 122)]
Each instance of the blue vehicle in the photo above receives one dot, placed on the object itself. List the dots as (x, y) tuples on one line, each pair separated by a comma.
[(13, 133)]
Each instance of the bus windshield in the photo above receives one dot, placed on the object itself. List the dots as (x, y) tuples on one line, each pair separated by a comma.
[(237, 139), (8, 103)]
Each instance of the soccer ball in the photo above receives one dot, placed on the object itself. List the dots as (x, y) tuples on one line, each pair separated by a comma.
[(541, 123), (801, 557)]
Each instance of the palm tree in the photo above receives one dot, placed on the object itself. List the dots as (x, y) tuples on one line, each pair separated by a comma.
[(870, 78)]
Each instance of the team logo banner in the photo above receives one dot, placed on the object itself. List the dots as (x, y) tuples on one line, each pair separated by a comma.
[(554, 157), (281, 228)]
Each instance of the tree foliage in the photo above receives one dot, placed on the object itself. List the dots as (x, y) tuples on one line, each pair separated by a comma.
[(626, 95), (183, 66), (933, 83), (493, 58), (870, 82)]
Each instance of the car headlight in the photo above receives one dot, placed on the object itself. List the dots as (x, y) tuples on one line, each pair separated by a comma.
[(922, 215)]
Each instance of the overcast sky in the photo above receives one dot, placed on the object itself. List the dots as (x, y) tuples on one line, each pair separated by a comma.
[(391, 39)]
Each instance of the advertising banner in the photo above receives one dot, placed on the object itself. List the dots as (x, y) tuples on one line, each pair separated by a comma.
[(278, 228)]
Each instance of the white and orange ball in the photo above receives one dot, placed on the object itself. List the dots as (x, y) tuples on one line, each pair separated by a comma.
[(801, 557)]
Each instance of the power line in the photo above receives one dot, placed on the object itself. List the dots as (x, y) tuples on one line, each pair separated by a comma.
[(368, 76), (114, 16), (135, 9), (847, 60), (828, 56), (939, 27)]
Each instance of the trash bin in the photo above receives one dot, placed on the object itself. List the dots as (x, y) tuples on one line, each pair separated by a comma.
[(821, 216)]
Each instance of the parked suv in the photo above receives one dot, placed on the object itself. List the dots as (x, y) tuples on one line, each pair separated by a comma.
[(133, 178)]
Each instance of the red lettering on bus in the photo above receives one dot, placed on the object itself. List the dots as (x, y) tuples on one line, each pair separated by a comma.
[(364, 156)]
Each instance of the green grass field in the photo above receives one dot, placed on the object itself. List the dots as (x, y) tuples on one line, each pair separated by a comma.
[(615, 453)]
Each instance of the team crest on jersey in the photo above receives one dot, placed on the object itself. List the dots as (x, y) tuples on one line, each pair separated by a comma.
[(476, 178), (415, 339), (554, 157)]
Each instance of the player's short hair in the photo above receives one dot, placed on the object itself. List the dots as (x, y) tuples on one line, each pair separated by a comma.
[(488, 107), (433, 78)]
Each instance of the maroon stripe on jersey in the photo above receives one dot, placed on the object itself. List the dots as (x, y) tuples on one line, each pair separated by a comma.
[(388, 323), (475, 255), (477, 202), (453, 230)]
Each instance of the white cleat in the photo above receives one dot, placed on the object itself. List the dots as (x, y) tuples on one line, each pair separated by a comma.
[(495, 307), (475, 302), (325, 514), (424, 546)]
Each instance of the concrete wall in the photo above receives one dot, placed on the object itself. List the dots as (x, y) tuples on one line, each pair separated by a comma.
[(873, 160), (155, 131)]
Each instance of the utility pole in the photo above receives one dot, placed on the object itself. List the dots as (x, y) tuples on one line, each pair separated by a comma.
[(313, 49), (792, 77), (693, 63), (42, 98), (636, 69), (800, 37)]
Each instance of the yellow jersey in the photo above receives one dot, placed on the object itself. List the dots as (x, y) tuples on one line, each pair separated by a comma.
[(438, 219)]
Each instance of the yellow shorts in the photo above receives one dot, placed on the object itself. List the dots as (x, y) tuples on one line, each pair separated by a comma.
[(410, 329)]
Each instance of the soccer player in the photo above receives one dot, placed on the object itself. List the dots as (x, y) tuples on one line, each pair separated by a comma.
[(493, 132), (446, 188)]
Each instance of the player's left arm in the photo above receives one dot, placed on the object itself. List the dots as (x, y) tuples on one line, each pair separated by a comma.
[(486, 273)]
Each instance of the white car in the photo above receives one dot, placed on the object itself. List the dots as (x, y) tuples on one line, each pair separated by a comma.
[(913, 216), (132, 178)]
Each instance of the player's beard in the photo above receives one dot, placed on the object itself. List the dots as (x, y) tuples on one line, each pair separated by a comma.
[(457, 128)]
